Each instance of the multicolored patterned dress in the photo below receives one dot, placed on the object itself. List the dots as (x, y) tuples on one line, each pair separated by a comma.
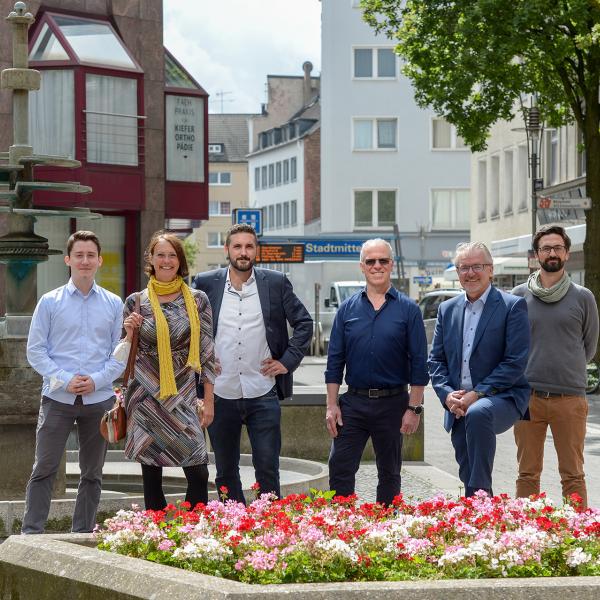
[(167, 433)]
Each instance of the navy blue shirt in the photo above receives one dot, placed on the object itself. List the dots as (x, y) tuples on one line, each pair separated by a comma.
[(380, 349)]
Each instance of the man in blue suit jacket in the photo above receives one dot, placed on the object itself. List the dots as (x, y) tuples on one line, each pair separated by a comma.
[(477, 365), (251, 311)]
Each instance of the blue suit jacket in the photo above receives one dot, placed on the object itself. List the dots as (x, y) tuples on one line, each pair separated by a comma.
[(499, 356), (280, 306)]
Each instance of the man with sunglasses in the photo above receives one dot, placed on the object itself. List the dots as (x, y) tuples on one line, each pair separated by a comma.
[(477, 365), (562, 315), (378, 336)]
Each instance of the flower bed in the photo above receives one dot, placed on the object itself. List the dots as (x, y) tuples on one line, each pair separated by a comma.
[(320, 538)]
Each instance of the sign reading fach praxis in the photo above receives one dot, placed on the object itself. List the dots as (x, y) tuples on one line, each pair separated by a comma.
[(184, 133), (280, 253)]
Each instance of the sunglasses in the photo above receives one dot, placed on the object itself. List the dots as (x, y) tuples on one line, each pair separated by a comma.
[(384, 262)]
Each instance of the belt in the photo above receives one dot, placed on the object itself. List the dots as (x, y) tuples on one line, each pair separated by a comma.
[(543, 394), (378, 392)]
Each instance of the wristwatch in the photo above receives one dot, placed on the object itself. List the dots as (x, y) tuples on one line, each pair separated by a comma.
[(480, 395), (416, 409)]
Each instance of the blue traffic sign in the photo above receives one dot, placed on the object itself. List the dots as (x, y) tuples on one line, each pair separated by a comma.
[(422, 279), (249, 216)]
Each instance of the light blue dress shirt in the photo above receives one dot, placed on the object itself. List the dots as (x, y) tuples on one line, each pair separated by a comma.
[(72, 334), (472, 315)]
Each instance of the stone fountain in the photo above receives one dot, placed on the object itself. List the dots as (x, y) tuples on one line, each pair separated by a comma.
[(21, 250)]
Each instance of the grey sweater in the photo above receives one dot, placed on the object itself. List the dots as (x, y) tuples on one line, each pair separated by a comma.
[(564, 336)]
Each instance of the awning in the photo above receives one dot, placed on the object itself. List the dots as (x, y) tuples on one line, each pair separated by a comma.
[(503, 265)]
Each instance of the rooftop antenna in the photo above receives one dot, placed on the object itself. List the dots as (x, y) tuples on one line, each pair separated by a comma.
[(220, 97)]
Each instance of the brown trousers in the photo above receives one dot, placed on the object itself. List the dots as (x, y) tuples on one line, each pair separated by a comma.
[(567, 417)]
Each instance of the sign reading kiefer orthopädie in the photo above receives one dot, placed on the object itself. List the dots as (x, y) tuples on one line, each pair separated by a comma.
[(332, 248)]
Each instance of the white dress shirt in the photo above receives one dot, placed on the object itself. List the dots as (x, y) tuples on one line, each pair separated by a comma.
[(72, 334), (472, 315), (241, 343)]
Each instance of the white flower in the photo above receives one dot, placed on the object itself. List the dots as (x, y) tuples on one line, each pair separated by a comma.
[(203, 548), (338, 547), (578, 557)]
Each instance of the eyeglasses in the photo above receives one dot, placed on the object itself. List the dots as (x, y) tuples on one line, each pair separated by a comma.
[(384, 262), (547, 249), (478, 268)]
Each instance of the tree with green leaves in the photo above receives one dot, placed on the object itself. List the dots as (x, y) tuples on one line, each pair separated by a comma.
[(470, 60)]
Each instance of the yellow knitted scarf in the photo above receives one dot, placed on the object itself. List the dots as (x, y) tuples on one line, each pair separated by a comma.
[(168, 387)]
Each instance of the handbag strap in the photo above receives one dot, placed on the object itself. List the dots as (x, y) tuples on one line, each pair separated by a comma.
[(130, 368)]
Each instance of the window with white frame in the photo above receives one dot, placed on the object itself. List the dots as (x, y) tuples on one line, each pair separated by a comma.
[(553, 156), (494, 187), (286, 214), (507, 188), (271, 175), (257, 178), (215, 148), (581, 156), (522, 179), (214, 239), (219, 178), (374, 63), (444, 136), (217, 208), (482, 190), (375, 134), (374, 208), (294, 213), (286, 171), (278, 216), (272, 216), (293, 169), (263, 172), (278, 173), (450, 209)]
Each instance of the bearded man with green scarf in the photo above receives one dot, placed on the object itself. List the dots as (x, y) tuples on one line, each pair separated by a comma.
[(563, 318)]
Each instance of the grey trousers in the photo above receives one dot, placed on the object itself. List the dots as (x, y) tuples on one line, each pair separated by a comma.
[(55, 421)]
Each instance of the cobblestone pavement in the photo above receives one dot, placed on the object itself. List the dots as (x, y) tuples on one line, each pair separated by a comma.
[(413, 487)]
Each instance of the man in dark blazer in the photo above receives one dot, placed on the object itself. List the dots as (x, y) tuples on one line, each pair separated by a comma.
[(477, 365), (251, 311)]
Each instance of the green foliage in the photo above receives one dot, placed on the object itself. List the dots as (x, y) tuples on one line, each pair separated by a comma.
[(190, 248), (470, 60)]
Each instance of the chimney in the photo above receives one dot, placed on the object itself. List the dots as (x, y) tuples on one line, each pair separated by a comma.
[(307, 67)]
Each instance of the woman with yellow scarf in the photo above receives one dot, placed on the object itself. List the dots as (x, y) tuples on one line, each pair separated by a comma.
[(164, 423)]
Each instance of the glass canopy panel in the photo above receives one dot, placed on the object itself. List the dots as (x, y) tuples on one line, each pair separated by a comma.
[(94, 42), (175, 76), (47, 47)]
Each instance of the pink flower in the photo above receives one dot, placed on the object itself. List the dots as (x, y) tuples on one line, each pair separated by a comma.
[(166, 545)]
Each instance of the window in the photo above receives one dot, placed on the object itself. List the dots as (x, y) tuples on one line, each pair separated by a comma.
[(293, 169), (272, 216), (278, 173), (215, 148), (216, 208), (371, 63), (444, 136), (294, 213), (581, 157), (375, 134), (495, 187), (52, 114), (264, 177), (553, 157), (508, 183), (257, 178), (450, 209), (271, 175), (286, 214), (111, 120), (482, 190), (214, 239), (278, 216), (523, 178), (286, 171), (219, 178), (374, 208)]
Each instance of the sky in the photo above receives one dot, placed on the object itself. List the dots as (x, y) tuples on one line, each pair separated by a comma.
[(232, 45)]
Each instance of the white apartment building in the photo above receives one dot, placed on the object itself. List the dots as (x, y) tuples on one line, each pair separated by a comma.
[(383, 159)]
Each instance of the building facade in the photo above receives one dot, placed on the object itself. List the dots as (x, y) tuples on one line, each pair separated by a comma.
[(228, 148), (384, 161), (114, 99)]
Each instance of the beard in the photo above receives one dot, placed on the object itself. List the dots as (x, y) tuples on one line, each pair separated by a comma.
[(235, 263), (552, 267)]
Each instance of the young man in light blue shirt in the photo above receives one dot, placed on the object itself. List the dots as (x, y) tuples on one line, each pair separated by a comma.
[(73, 333)]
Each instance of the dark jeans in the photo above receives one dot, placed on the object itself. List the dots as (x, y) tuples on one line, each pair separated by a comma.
[(262, 417), (380, 419)]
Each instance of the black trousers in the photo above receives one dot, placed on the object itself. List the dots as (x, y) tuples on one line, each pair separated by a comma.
[(197, 486), (377, 418)]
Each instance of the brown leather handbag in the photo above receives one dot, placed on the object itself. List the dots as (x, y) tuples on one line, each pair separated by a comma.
[(113, 425)]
